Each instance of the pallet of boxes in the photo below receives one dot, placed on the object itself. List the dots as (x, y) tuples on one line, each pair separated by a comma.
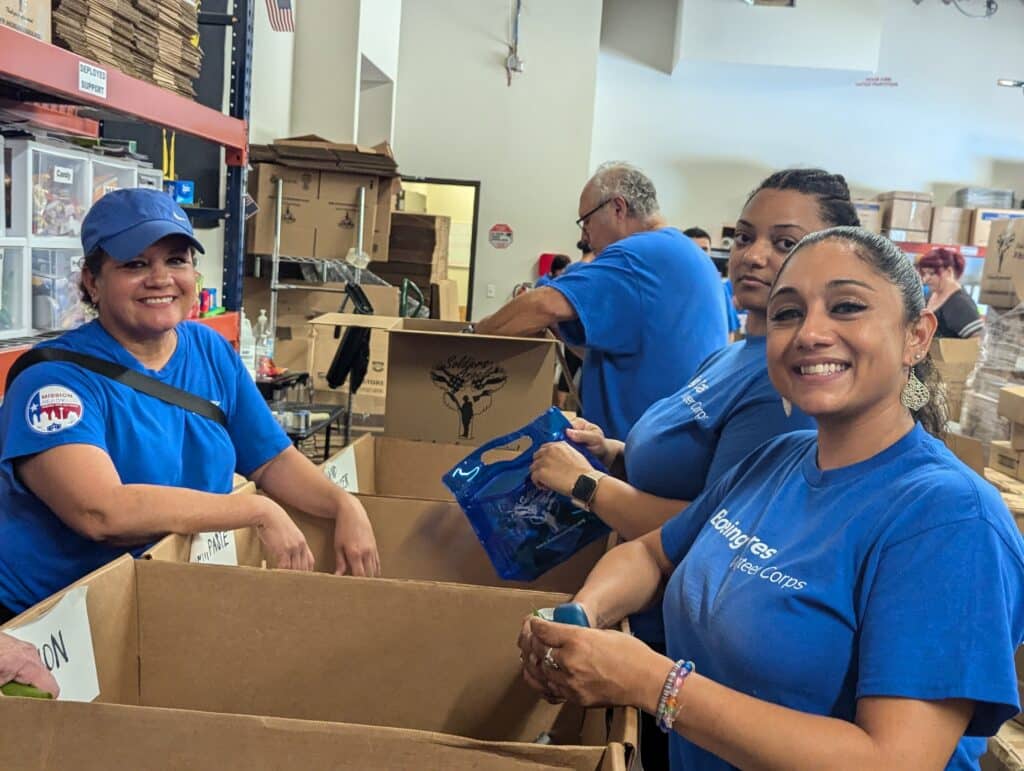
[(181, 662), (1001, 358)]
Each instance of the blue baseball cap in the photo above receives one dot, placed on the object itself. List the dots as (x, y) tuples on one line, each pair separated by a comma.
[(124, 223)]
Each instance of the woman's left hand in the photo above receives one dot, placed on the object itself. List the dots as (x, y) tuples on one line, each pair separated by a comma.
[(591, 667), (557, 465), (355, 546)]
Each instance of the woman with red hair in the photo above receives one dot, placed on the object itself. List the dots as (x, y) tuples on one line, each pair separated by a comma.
[(957, 313)]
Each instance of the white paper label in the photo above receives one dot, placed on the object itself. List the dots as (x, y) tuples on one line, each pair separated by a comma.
[(341, 469), (65, 175), (92, 80), (214, 549), (64, 640)]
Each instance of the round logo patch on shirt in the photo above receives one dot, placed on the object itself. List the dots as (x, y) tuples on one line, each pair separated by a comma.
[(53, 408)]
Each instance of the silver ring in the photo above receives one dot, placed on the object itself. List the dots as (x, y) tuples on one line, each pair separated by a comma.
[(549, 660)]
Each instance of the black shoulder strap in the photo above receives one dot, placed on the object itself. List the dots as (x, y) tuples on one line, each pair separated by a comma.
[(123, 375)]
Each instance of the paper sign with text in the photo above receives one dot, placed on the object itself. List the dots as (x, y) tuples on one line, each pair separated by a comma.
[(64, 640), (217, 548), (341, 469)]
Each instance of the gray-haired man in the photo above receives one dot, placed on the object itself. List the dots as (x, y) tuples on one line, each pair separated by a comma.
[(648, 309)]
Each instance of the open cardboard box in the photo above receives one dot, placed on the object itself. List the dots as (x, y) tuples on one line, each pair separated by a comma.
[(408, 655), (425, 540), (447, 386)]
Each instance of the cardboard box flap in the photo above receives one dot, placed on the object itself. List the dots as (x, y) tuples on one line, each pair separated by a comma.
[(357, 320), (342, 648), (1011, 403), (98, 737), (458, 327)]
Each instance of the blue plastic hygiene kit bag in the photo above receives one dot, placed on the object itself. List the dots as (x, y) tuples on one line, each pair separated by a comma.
[(524, 529)]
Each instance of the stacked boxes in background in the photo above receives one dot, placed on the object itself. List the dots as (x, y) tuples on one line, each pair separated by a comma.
[(955, 360), (906, 216), (950, 225), (870, 214), (29, 16), (149, 40), (321, 184), (1008, 455), (418, 251)]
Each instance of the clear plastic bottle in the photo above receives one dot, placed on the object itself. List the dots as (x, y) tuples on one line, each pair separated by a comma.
[(264, 345), (247, 345)]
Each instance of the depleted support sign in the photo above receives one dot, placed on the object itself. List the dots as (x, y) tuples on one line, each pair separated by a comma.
[(64, 640)]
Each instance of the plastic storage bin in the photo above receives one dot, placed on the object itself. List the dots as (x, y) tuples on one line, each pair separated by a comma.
[(15, 289), (152, 179), (56, 301), (50, 190), (109, 175)]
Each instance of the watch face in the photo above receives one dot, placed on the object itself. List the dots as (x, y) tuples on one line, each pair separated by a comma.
[(584, 489)]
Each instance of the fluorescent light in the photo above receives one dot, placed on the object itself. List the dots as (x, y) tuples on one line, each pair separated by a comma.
[(1010, 83)]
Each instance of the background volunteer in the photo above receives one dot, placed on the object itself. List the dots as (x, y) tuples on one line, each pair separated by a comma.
[(850, 599), (956, 312), (91, 468), (647, 310)]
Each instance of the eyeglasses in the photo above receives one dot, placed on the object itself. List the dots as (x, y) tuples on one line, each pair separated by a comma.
[(582, 221)]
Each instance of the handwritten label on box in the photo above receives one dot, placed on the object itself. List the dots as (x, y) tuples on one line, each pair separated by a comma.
[(64, 640), (341, 469), (214, 549), (92, 80)]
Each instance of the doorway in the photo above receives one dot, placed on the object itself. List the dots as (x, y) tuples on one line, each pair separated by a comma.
[(460, 200)]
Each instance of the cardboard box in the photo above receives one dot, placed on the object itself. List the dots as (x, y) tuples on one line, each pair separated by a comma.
[(1017, 436), (1018, 661), (906, 236), (906, 210), (982, 221), (444, 300), (408, 655), (387, 202), (1006, 748), (950, 225), (870, 215), (320, 211), (954, 359), (99, 737), (29, 16), (297, 307), (446, 386), (1011, 403), (1004, 458), (968, 449), (419, 238), (416, 539)]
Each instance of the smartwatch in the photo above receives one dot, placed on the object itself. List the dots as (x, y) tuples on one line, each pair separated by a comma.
[(585, 489)]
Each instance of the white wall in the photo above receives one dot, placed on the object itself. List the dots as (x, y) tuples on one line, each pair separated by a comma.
[(838, 34), (528, 145), (379, 25), (271, 103), (708, 134), (325, 81)]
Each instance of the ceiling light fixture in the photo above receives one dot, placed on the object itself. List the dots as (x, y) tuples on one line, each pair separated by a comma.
[(1010, 83)]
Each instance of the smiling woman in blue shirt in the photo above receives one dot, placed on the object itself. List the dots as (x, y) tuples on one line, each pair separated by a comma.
[(846, 599)]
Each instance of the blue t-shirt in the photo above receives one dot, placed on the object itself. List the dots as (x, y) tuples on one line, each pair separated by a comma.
[(649, 311), (899, 576), (731, 315), (686, 441), (150, 442), (544, 280)]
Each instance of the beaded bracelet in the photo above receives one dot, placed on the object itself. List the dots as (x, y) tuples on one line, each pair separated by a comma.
[(668, 704)]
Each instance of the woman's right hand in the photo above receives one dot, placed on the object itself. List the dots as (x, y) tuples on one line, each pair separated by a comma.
[(285, 544), (593, 439)]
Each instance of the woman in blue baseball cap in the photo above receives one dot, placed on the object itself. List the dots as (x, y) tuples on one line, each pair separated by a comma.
[(91, 467)]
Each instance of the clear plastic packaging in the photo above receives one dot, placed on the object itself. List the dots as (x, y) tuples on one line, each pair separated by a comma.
[(524, 529), (1000, 364), (56, 300), (15, 289)]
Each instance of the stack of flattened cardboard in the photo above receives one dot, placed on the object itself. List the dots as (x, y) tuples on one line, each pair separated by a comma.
[(321, 183), (142, 38), (418, 250)]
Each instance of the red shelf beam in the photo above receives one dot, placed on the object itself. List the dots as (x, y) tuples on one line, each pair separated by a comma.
[(51, 70), (967, 250)]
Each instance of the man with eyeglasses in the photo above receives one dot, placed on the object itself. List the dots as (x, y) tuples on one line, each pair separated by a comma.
[(647, 310)]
